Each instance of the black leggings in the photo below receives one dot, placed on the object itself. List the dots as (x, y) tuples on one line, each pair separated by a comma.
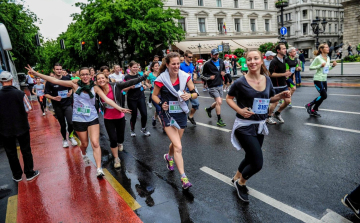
[(42, 104), (253, 161), (62, 113), (116, 130), (355, 195), (227, 78), (321, 87), (134, 105)]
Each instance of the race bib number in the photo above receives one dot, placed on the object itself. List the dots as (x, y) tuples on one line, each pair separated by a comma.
[(326, 70), (260, 106), (40, 92), (106, 105), (292, 70), (83, 110), (63, 94), (174, 107), (245, 65), (138, 85)]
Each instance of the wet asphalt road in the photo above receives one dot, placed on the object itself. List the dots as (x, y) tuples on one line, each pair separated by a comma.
[(306, 167)]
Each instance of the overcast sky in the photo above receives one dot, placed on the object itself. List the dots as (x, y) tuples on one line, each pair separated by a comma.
[(55, 15)]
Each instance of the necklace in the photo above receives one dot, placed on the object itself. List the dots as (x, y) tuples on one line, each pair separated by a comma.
[(257, 82)]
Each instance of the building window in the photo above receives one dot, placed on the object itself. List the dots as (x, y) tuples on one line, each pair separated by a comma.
[(237, 25), (305, 14), (182, 24), (236, 3), (330, 14), (179, 2), (218, 3), (317, 13), (202, 28), (200, 2), (305, 28), (286, 17), (330, 28), (252, 25), (266, 6), (251, 4), (324, 13), (288, 31), (336, 28), (341, 28), (289, 16), (336, 14), (341, 14), (267, 25), (220, 23)]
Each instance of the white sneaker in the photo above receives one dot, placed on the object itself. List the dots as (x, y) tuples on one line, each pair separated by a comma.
[(150, 105), (224, 90), (132, 133), (85, 159), (279, 118), (120, 147), (117, 163), (65, 143), (146, 133), (73, 141), (270, 121), (44, 114), (100, 172)]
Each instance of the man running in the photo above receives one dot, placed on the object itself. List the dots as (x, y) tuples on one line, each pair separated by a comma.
[(62, 104), (292, 64), (213, 71), (278, 76), (242, 64), (188, 68), (227, 77)]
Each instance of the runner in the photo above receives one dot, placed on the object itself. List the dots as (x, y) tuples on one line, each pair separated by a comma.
[(62, 104), (189, 68), (85, 117), (234, 65), (278, 75), (114, 119), (227, 77), (92, 73), (136, 100), (292, 64), (322, 66), (30, 80), (117, 75), (213, 71), (269, 57), (171, 84), (38, 90), (154, 69), (242, 64), (253, 92), (106, 70)]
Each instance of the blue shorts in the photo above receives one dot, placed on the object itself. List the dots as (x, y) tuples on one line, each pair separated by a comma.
[(194, 103), (290, 83), (180, 118)]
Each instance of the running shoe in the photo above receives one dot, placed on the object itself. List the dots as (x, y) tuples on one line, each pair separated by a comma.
[(192, 120), (120, 147), (100, 172), (145, 132), (315, 114), (290, 105), (153, 121), (208, 112), (270, 120), (242, 191), (86, 159), (308, 108), (17, 180), (33, 176), (204, 89), (221, 123), (279, 118), (150, 104), (185, 183), (352, 205), (169, 162), (132, 133), (44, 114), (117, 163), (73, 141), (65, 144)]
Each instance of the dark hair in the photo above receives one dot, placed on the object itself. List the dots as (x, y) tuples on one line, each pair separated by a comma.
[(187, 52), (104, 68), (156, 56), (263, 69), (132, 63), (278, 46), (84, 68), (57, 65), (152, 65), (167, 60), (102, 74)]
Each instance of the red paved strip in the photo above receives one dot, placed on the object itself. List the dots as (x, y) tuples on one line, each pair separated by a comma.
[(66, 190)]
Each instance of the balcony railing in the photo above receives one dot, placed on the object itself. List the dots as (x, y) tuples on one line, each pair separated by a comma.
[(202, 33)]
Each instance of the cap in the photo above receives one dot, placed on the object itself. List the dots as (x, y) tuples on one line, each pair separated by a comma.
[(214, 52), (270, 53), (5, 76)]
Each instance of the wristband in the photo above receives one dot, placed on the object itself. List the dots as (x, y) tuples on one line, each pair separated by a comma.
[(191, 96), (160, 103)]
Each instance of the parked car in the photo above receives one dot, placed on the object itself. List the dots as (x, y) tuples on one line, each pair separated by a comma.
[(22, 80)]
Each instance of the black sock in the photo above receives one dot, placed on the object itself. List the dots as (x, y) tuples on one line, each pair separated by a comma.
[(210, 108), (219, 117), (277, 113)]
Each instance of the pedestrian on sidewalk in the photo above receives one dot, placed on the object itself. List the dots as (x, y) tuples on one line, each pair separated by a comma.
[(350, 53), (302, 59), (253, 93), (352, 201), (14, 125)]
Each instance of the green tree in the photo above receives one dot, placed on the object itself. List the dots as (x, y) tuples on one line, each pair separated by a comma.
[(20, 23), (267, 47), (239, 52)]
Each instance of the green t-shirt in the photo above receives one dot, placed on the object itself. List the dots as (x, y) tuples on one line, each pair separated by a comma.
[(242, 62)]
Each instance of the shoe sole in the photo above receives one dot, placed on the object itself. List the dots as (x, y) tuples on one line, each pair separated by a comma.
[(100, 175), (344, 203), (247, 201), (279, 121), (185, 188), (32, 178), (116, 167), (17, 180)]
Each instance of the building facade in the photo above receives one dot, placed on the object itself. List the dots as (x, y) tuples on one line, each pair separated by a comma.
[(248, 22), (351, 22), (299, 15)]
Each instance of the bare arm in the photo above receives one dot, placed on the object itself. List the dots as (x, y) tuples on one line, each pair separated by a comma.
[(109, 101), (286, 74), (244, 112), (282, 95), (51, 79)]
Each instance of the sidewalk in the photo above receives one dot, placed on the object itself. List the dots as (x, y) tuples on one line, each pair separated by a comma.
[(349, 70), (67, 190)]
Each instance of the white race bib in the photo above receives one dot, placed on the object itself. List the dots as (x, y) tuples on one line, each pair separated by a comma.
[(174, 107), (245, 65), (326, 70), (83, 110), (138, 85), (260, 105), (292, 70), (63, 94), (40, 92)]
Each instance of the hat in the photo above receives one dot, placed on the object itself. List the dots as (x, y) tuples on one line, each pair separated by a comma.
[(5, 76), (214, 52), (270, 53)]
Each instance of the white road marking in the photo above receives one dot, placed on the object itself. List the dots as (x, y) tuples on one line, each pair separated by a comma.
[(330, 217), (333, 127), (346, 95), (213, 127)]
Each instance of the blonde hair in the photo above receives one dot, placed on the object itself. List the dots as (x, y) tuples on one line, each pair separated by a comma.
[(263, 69), (318, 52)]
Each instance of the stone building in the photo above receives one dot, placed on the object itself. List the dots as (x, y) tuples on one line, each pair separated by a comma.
[(351, 22), (240, 23), (299, 15)]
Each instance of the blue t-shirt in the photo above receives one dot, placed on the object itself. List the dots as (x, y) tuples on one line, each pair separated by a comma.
[(187, 68), (217, 64)]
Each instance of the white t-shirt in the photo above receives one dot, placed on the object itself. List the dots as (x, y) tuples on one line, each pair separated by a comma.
[(118, 78), (30, 80), (227, 66)]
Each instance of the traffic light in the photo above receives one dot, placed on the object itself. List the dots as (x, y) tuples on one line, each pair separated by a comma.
[(99, 42), (62, 44), (82, 45), (37, 40)]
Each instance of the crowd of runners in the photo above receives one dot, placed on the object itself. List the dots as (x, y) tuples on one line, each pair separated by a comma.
[(266, 80)]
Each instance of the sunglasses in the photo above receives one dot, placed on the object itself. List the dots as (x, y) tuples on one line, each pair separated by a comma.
[(190, 57)]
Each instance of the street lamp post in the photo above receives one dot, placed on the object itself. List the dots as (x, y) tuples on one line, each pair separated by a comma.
[(199, 46), (281, 4), (315, 25)]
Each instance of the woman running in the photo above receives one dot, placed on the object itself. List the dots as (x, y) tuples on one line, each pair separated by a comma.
[(85, 118), (154, 68), (322, 66), (38, 90), (136, 100), (171, 85), (253, 93), (114, 119)]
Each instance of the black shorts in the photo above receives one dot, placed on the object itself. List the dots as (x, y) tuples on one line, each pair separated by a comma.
[(83, 126), (227, 78)]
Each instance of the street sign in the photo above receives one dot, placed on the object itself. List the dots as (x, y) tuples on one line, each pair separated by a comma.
[(226, 47), (220, 48), (283, 31)]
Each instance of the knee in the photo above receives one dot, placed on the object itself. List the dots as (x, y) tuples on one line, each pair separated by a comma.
[(84, 144), (258, 166), (287, 101), (177, 148), (219, 102), (324, 95)]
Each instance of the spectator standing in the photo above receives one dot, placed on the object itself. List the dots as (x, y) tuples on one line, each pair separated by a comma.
[(302, 59), (350, 53), (30, 80)]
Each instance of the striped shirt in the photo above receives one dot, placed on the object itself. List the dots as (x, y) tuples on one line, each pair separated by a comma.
[(27, 104)]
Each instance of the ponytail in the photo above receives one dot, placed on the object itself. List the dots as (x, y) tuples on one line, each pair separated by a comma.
[(318, 51)]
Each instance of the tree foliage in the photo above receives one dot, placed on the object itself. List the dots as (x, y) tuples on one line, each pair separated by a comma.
[(239, 52), (267, 47), (20, 23)]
